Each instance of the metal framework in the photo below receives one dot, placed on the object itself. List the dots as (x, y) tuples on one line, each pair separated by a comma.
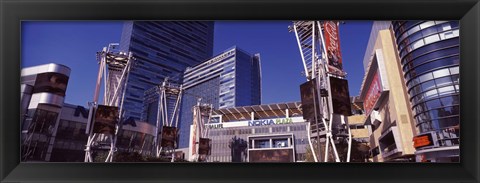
[(114, 68), (169, 100), (202, 114), (313, 52)]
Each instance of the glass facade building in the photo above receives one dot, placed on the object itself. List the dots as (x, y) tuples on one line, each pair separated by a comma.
[(229, 79), (430, 57), (162, 49)]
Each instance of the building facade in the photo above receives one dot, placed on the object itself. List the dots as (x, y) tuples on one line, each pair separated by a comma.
[(162, 49), (430, 58), (43, 90), (386, 104), (259, 133), (229, 79), (70, 137), (56, 131)]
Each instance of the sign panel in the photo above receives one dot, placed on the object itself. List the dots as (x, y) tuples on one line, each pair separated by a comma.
[(423, 141), (51, 82), (373, 93), (204, 146), (271, 155), (309, 95), (270, 122), (332, 44), (275, 121), (169, 137), (106, 117), (340, 96)]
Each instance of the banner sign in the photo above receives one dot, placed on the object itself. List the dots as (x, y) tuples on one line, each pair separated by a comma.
[(373, 93), (106, 117), (309, 99), (204, 146), (51, 82), (340, 96), (332, 44), (169, 137), (271, 155)]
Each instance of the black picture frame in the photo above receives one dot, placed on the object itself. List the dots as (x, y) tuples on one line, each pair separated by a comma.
[(12, 12)]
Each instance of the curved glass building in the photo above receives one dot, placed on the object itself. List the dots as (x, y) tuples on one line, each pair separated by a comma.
[(430, 57)]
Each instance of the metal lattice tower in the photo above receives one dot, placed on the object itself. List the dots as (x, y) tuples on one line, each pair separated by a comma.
[(114, 68), (169, 101), (311, 44), (202, 114)]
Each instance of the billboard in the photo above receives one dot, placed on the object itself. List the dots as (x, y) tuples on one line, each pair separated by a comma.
[(106, 117), (51, 82), (340, 96), (423, 141), (169, 137), (332, 44), (204, 146), (271, 155), (373, 93), (308, 93)]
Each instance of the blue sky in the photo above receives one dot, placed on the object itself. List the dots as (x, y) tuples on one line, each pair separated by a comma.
[(75, 44)]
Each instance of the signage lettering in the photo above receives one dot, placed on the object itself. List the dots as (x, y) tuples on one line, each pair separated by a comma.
[(269, 122), (214, 126), (81, 110), (373, 93), (332, 44)]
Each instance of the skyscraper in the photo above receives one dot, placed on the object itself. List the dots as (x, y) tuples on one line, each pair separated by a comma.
[(429, 52), (227, 80), (162, 49)]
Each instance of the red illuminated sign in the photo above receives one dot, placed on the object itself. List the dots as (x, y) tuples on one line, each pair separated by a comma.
[(422, 141), (373, 93), (332, 44)]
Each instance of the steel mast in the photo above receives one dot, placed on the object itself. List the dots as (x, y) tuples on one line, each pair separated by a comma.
[(168, 114), (313, 51), (114, 68)]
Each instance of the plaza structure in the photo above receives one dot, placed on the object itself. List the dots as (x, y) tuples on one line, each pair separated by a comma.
[(161, 49), (430, 57), (230, 79), (247, 133)]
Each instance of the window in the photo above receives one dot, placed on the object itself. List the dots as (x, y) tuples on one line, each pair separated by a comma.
[(428, 85), (278, 143), (427, 24), (441, 73), (431, 39), (262, 143), (446, 90), (444, 81), (425, 77), (454, 70), (430, 94)]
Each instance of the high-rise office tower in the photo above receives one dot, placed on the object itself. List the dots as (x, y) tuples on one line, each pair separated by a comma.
[(162, 49), (429, 52), (227, 80)]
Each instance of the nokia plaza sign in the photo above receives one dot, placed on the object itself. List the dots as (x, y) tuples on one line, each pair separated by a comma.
[(261, 122), (270, 122)]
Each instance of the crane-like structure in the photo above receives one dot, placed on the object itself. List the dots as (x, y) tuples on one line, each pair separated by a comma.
[(114, 68), (202, 113), (168, 115), (169, 97), (320, 62)]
